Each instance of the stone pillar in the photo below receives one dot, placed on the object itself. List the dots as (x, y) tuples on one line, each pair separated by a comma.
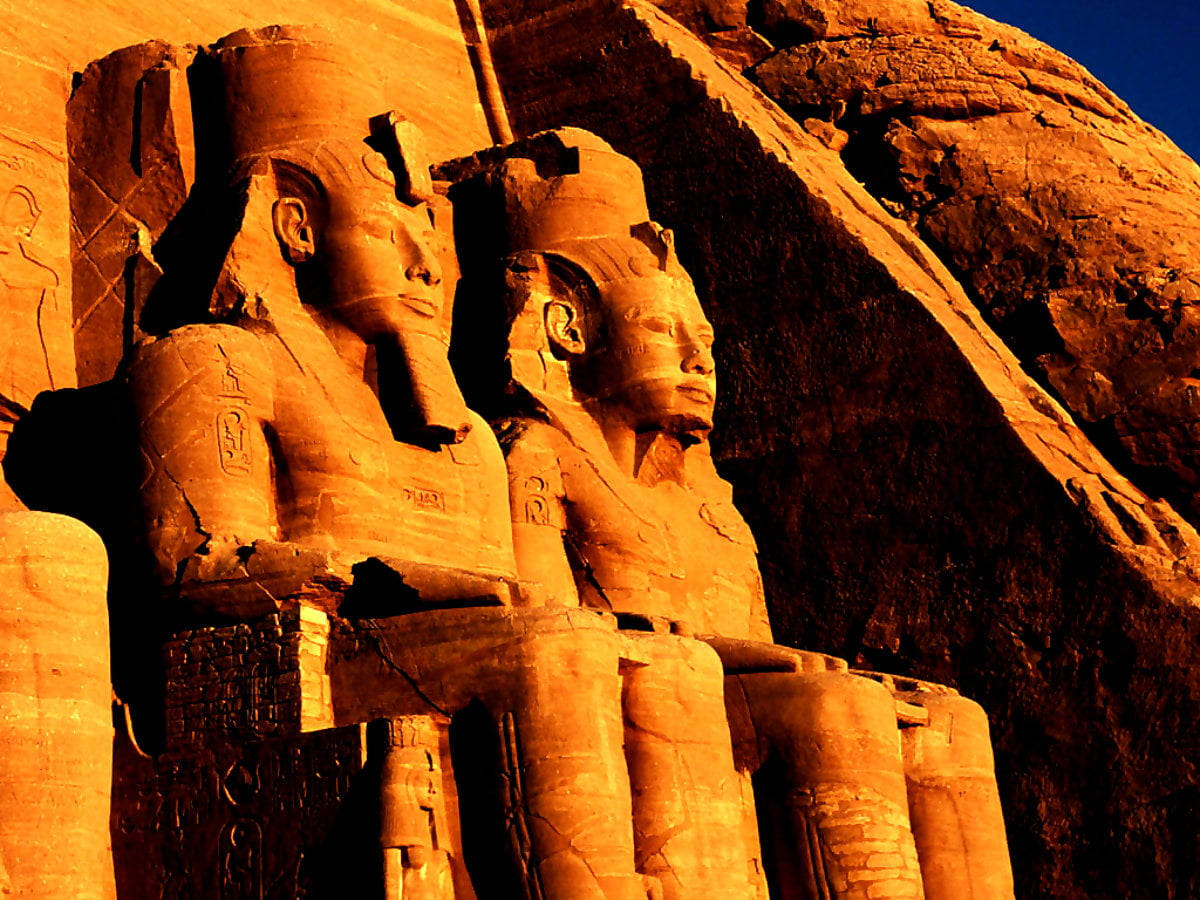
[(55, 710)]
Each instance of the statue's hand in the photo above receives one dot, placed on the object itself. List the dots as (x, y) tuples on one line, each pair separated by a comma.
[(247, 580)]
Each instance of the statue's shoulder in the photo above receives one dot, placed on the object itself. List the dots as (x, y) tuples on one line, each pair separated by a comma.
[(223, 346), (531, 446), (205, 342), (211, 358)]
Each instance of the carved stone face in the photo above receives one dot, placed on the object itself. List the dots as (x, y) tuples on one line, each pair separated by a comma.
[(378, 256), (653, 356)]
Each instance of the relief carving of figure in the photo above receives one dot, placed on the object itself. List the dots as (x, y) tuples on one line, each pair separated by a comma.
[(29, 291)]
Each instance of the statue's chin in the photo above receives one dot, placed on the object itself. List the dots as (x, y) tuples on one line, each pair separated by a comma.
[(687, 428)]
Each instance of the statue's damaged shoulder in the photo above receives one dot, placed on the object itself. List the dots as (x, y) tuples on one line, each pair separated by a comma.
[(213, 361), (533, 455)]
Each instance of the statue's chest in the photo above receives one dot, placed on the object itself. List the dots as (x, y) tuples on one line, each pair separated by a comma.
[(663, 546), (343, 461)]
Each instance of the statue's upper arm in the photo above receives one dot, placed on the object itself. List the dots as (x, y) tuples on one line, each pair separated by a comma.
[(203, 396), (535, 483)]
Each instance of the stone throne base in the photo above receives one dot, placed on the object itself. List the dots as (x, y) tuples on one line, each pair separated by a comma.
[(308, 753)]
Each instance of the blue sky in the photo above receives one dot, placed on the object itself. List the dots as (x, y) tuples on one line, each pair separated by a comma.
[(1147, 51)]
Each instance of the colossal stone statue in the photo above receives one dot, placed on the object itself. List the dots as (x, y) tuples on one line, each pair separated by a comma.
[(317, 423), (617, 506)]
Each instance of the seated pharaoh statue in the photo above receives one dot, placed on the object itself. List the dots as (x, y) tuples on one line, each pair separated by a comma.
[(314, 421), (617, 506)]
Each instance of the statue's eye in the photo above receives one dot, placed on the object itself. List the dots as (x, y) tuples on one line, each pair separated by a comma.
[(379, 228), (657, 324)]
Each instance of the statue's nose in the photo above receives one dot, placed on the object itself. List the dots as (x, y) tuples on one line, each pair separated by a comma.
[(698, 360), (423, 265), (427, 271)]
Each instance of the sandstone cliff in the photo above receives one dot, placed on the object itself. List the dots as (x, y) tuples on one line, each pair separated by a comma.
[(1072, 223)]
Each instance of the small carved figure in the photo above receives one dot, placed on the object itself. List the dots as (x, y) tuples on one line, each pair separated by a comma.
[(414, 866), (28, 295)]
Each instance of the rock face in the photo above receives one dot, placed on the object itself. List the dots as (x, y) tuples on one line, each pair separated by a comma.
[(1072, 223)]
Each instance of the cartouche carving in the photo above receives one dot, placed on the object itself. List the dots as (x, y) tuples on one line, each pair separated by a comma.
[(318, 422)]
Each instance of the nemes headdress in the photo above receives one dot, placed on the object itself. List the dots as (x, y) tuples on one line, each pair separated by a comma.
[(562, 196), (293, 102), (293, 93), (301, 118), (564, 193)]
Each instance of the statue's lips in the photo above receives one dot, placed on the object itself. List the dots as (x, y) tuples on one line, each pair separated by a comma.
[(424, 306), (695, 392)]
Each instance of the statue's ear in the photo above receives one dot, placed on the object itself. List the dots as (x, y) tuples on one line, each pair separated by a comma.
[(293, 228), (564, 327)]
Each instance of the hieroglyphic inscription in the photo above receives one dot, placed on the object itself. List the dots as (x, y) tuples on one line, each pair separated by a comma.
[(239, 681), (233, 441), (233, 426), (255, 821), (425, 498)]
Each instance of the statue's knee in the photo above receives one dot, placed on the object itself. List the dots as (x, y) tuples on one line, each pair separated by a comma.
[(827, 702), (691, 669), (53, 583), (547, 648), (955, 739), (51, 552)]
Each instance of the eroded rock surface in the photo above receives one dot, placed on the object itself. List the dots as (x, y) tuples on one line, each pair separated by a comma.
[(1073, 224)]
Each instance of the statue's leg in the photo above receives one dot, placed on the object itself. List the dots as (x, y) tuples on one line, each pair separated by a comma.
[(687, 811), (563, 738), (55, 709), (547, 684), (831, 789), (953, 799)]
